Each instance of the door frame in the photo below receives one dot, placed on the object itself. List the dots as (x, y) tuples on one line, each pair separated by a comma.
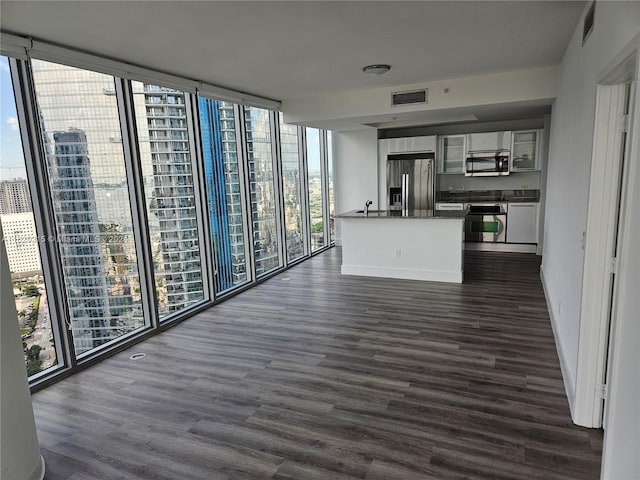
[(607, 196)]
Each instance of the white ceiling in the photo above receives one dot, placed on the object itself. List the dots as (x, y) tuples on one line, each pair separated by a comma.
[(284, 50)]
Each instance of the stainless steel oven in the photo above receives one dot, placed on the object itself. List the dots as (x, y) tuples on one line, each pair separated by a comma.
[(486, 222)]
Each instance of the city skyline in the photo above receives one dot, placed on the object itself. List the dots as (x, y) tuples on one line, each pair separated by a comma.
[(11, 154), (94, 224)]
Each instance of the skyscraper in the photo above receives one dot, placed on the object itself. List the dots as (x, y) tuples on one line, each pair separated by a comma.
[(80, 123), (14, 196), (217, 124), (18, 226), (162, 126), (20, 242), (261, 189), (79, 239)]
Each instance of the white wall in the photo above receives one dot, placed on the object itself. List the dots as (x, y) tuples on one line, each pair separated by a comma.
[(355, 172), (571, 141)]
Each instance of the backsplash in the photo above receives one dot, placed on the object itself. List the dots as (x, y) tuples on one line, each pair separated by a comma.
[(515, 181), (521, 195)]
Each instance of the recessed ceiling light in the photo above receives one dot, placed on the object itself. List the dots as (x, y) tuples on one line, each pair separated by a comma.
[(376, 69)]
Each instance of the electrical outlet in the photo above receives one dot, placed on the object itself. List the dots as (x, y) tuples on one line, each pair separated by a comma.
[(398, 253)]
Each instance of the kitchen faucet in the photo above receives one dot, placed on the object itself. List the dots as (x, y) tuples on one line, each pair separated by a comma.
[(366, 207)]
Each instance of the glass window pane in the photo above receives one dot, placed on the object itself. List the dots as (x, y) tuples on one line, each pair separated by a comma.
[(291, 190), (332, 212), (263, 203), (165, 156), (20, 240), (81, 131), (224, 192), (314, 175)]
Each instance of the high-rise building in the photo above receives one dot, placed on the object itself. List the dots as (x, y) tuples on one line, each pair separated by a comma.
[(14, 196), (172, 198), (261, 189), (79, 239), (220, 155), (21, 242), (86, 173)]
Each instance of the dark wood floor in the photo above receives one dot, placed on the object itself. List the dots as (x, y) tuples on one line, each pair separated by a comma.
[(314, 375)]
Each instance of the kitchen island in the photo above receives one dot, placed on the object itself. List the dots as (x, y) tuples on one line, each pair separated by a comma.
[(417, 245)]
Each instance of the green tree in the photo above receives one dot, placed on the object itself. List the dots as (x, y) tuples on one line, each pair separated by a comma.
[(31, 290), (33, 367), (33, 353)]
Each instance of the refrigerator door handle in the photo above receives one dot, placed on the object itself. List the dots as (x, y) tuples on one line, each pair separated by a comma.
[(405, 192)]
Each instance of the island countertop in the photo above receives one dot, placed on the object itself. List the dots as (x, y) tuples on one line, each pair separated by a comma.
[(411, 214)]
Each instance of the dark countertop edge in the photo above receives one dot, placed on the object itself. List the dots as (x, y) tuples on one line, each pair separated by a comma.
[(487, 200), (422, 214)]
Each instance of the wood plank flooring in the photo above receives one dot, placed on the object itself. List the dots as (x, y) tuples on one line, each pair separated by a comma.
[(315, 375)]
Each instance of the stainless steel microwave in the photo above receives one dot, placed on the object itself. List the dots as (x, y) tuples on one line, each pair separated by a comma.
[(487, 164)]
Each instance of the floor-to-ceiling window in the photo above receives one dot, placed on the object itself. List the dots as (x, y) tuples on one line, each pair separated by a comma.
[(224, 177), (145, 217), (22, 241), (315, 189), (262, 190), (292, 190), (166, 157), (81, 134)]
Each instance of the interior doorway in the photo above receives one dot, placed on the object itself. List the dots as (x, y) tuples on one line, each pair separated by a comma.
[(607, 201)]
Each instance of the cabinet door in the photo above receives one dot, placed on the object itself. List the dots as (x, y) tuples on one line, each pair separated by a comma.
[(410, 144), (452, 151), (479, 142), (522, 223), (524, 151), (421, 144)]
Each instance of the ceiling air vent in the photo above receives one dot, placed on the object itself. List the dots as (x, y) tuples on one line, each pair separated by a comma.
[(408, 98), (587, 28)]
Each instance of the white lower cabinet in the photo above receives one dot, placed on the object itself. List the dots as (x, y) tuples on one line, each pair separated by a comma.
[(522, 223)]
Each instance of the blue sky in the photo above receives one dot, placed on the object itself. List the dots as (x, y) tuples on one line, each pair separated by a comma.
[(11, 156)]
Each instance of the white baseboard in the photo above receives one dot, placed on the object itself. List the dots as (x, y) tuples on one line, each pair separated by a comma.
[(501, 247), (567, 378), (403, 273), (39, 470)]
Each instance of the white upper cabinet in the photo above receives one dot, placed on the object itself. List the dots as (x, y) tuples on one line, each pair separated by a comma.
[(409, 144), (480, 142), (525, 151)]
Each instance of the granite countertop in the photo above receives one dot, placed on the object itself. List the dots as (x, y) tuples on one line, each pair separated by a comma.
[(512, 196), (419, 214)]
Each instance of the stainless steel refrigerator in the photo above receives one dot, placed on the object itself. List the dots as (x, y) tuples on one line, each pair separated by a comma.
[(410, 181)]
